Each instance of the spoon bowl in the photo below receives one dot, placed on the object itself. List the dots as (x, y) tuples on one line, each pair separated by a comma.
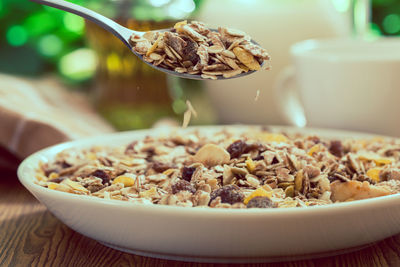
[(124, 34)]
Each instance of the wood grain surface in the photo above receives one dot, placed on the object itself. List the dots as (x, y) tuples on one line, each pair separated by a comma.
[(32, 236)]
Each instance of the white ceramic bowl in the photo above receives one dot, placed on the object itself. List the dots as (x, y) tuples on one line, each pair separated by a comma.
[(217, 235)]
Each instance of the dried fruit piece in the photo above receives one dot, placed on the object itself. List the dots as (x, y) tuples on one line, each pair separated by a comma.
[(236, 149), (251, 166), (211, 155), (161, 167), (336, 148), (126, 180), (314, 149), (187, 173), (261, 202), (52, 185), (383, 161), (229, 194), (53, 175), (182, 185), (380, 161), (373, 174), (259, 192), (102, 175)]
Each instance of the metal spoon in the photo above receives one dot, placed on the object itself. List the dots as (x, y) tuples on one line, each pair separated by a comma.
[(121, 32)]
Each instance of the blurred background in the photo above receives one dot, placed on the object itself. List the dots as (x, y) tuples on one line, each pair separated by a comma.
[(45, 43)]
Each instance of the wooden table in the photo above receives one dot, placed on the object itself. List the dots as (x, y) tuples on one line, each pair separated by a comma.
[(31, 236)]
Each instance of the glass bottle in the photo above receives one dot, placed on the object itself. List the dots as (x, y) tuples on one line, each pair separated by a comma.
[(127, 92)]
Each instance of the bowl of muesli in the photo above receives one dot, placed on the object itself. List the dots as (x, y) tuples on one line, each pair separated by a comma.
[(223, 193)]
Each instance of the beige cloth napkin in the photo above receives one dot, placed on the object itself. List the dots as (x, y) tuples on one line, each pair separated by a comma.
[(38, 113)]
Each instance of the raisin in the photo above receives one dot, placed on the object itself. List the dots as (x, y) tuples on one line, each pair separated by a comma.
[(160, 167), (254, 146), (332, 178), (65, 165), (150, 153), (259, 157), (229, 194), (102, 175), (275, 161), (187, 173), (261, 202), (131, 147), (182, 185), (336, 148), (240, 176), (236, 149)]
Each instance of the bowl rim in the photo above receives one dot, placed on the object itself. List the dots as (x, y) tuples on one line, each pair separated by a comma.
[(26, 175)]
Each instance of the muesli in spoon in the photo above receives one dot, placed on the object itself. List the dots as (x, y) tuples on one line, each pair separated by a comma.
[(194, 49)]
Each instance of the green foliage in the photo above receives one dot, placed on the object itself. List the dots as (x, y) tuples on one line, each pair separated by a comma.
[(386, 16), (33, 38)]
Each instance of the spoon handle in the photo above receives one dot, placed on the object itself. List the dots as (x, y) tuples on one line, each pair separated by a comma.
[(118, 30)]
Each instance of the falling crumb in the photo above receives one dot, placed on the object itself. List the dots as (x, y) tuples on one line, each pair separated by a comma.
[(188, 114), (257, 95), (190, 107)]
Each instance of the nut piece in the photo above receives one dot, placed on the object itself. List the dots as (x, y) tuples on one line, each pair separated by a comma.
[(354, 190), (261, 202), (211, 155)]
